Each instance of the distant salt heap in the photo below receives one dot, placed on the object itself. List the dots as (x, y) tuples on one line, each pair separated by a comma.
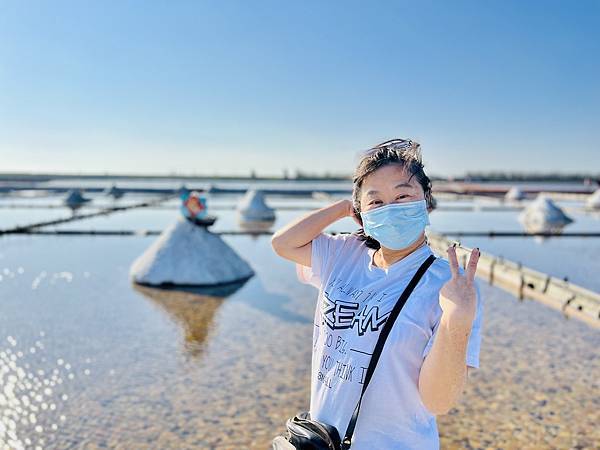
[(183, 190), (593, 201), (543, 215), (252, 207), (75, 199), (514, 193), (188, 254), (114, 192), (319, 195)]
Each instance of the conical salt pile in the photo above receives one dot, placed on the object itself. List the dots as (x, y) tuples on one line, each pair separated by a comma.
[(75, 199), (593, 201), (188, 254), (514, 193), (543, 215), (252, 207), (114, 192)]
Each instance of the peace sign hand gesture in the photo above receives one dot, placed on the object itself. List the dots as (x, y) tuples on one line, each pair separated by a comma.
[(458, 297)]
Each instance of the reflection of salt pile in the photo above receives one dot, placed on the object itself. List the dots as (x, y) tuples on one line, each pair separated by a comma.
[(75, 199), (252, 207), (189, 254), (194, 312), (593, 201), (514, 193), (542, 215)]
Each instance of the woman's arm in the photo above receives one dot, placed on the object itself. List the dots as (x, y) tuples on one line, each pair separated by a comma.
[(293, 241), (444, 371)]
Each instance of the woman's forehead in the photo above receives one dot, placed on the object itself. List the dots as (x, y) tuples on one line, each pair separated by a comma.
[(392, 176)]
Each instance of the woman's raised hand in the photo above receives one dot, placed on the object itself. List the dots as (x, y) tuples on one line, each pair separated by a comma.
[(350, 211), (458, 298)]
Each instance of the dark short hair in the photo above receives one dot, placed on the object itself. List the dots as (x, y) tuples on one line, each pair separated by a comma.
[(404, 152)]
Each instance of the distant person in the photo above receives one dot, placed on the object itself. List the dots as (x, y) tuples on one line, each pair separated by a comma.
[(424, 364)]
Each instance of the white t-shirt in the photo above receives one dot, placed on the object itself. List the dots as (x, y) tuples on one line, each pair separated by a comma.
[(355, 298)]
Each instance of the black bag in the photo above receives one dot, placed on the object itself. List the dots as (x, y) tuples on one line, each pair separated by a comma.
[(305, 433)]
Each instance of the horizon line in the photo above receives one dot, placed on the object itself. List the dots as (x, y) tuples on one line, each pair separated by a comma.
[(300, 175)]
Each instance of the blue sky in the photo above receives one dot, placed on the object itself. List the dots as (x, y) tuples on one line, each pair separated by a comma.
[(223, 87)]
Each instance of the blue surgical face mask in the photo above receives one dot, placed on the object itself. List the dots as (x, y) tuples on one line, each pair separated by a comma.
[(397, 225)]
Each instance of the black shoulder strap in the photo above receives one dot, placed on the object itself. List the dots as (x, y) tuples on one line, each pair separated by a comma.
[(387, 327)]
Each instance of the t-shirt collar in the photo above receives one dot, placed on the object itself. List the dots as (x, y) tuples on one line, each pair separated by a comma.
[(412, 259)]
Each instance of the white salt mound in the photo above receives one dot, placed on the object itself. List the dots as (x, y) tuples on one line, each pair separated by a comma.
[(188, 254), (542, 214), (514, 193), (75, 198), (253, 207), (114, 191), (593, 200)]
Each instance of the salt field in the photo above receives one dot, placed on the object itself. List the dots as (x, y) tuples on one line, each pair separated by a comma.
[(88, 360), (163, 164)]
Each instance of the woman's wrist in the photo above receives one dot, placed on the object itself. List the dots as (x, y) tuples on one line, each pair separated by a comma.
[(341, 208), (457, 323)]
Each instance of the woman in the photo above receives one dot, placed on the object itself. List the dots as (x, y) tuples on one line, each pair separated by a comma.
[(436, 338)]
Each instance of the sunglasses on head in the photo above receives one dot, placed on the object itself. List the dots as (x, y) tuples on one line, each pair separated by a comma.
[(392, 144)]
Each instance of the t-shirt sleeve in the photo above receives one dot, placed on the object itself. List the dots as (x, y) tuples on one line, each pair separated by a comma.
[(474, 343), (325, 249)]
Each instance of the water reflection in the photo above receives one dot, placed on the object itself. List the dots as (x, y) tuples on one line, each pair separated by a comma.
[(30, 399), (272, 303), (192, 308), (255, 226)]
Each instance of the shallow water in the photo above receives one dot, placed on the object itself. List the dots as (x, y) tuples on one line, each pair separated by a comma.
[(573, 257), (146, 368), (159, 363)]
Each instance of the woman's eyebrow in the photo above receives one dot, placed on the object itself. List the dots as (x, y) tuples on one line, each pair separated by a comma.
[(373, 191)]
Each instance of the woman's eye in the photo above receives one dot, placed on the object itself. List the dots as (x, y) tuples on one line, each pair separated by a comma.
[(373, 202)]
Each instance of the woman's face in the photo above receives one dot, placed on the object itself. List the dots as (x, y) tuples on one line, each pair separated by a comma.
[(389, 184)]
